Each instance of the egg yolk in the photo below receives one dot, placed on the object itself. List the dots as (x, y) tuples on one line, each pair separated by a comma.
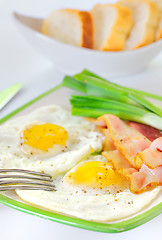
[(95, 174), (44, 136)]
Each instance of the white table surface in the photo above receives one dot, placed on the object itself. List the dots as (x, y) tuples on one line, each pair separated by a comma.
[(19, 62)]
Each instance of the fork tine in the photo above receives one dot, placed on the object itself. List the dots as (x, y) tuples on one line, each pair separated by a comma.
[(12, 185), (12, 182), (26, 177), (23, 187), (25, 171)]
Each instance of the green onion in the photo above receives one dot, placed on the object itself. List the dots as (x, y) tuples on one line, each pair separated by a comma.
[(106, 97), (71, 82), (148, 119), (88, 106), (146, 104), (91, 85), (131, 90), (97, 102)]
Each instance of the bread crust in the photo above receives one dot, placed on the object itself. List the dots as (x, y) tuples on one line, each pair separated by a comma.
[(121, 29), (151, 28), (87, 29), (151, 25), (159, 30), (86, 26)]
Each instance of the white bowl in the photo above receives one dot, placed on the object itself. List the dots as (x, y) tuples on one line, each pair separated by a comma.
[(71, 59)]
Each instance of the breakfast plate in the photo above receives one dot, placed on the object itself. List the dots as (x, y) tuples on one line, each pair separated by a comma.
[(57, 95)]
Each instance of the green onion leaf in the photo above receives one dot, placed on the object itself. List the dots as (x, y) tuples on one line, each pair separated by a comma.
[(146, 104), (131, 90)]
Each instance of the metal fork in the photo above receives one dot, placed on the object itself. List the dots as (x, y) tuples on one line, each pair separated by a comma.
[(11, 179)]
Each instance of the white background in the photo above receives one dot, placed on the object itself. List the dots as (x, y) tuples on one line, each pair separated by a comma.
[(19, 62)]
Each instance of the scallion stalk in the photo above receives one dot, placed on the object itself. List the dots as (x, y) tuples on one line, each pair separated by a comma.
[(71, 82), (90, 106), (131, 90), (94, 86), (148, 118), (146, 104), (106, 97)]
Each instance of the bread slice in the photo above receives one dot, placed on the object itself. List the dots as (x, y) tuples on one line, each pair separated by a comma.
[(159, 30), (70, 26), (146, 19), (112, 24)]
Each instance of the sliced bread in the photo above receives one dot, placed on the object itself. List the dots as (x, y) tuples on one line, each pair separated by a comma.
[(70, 26), (112, 24), (146, 19), (159, 30)]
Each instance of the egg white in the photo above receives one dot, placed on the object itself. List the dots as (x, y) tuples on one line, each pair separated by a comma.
[(83, 136), (101, 208), (91, 205)]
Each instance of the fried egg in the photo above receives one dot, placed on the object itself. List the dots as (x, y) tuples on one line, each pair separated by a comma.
[(47, 138), (53, 141), (92, 191), (95, 176)]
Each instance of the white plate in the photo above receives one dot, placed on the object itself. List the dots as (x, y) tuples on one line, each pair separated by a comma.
[(61, 97)]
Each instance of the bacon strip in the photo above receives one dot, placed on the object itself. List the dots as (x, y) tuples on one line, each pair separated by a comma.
[(135, 157), (108, 144), (157, 144), (143, 179), (116, 159), (127, 140), (152, 156), (148, 131)]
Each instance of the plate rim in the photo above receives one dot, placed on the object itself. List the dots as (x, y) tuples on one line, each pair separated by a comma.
[(123, 225)]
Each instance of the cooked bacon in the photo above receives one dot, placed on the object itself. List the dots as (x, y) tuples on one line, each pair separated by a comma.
[(157, 144), (131, 153), (108, 144), (152, 175), (116, 159), (135, 178), (152, 156), (127, 140), (143, 179), (135, 156), (148, 131)]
